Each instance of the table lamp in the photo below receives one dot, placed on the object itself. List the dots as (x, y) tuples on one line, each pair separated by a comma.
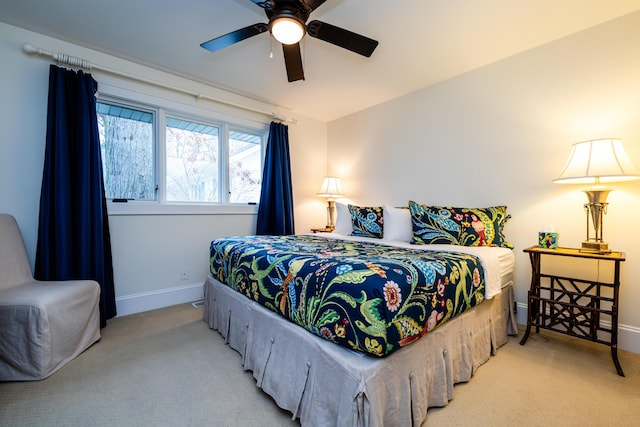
[(332, 189), (596, 162)]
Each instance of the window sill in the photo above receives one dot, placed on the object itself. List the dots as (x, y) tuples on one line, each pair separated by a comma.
[(154, 208)]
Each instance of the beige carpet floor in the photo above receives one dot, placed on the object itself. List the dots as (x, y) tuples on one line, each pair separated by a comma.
[(167, 368)]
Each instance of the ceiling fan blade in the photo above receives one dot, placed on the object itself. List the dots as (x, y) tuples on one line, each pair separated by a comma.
[(265, 4), (234, 37), (312, 4), (293, 61), (340, 37)]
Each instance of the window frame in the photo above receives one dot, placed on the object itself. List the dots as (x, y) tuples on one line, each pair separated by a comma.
[(264, 135), (154, 137), (162, 178), (163, 107)]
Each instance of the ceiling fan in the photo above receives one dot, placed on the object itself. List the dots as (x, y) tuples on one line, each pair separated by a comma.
[(288, 24)]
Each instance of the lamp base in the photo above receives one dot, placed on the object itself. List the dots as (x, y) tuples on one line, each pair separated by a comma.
[(331, 215), (594, 246)]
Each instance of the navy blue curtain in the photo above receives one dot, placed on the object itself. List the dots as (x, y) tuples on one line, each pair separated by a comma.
[(73, 233), (275, 213)]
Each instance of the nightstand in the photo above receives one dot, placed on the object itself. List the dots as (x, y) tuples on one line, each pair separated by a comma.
[(574, 306), (322, 230)]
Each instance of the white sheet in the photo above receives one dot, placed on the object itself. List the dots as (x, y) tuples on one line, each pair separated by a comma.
[(498, 263)]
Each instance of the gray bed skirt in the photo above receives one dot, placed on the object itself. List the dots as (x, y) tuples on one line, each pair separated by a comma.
[(323, 384)]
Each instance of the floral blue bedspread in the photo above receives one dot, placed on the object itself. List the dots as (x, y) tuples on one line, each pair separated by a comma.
[(364, 296)]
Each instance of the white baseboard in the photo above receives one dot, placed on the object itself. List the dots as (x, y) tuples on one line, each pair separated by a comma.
[(628, 336), (521, 313), (145, 301)]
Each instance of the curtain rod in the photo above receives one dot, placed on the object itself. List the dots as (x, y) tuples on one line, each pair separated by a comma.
[(74, 61)]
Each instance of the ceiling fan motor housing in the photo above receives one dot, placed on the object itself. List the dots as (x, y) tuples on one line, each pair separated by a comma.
[(289, 11)]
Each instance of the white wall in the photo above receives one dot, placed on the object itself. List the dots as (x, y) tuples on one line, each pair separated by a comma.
[(500, 135), (149, 251)]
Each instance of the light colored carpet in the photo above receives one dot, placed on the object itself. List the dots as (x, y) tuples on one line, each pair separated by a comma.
[(167, 368)]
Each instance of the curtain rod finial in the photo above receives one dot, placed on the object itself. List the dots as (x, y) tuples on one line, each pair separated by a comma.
[(29, 48)]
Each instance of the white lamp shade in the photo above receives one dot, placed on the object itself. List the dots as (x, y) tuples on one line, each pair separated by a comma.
[(597, 161), (287, 30), (331, 187)]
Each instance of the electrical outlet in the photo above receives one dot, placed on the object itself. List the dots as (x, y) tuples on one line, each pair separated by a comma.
[(184, 274)]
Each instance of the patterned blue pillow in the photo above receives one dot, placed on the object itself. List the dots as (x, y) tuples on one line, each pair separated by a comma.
[(459, 226), (367, 221)]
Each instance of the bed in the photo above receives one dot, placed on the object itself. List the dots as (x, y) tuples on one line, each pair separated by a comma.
[(392, 367)]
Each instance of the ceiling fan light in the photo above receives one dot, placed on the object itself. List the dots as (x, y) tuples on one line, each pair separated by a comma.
[(287, 30)]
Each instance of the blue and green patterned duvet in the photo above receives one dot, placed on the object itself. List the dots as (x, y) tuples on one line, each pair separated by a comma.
[(364, 296)]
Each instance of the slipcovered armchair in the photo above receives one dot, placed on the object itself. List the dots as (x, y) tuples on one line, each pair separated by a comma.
[(43, 324)]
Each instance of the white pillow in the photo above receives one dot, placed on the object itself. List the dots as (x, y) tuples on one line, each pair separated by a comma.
[(343, 220), (397, 224)]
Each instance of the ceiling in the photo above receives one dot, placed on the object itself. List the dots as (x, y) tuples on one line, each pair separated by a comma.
[(422, 42)]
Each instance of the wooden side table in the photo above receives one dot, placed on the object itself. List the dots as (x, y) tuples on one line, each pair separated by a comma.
[(574, 306)]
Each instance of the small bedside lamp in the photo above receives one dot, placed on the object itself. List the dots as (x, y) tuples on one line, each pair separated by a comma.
[(332, 189), (596, 162)]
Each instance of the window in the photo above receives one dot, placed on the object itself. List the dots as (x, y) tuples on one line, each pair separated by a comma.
[(245, 167), (127, 142), (192, 152), (153, 155)]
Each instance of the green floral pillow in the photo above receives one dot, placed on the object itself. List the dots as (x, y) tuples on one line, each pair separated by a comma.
[(459, 226), (367, 221)]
